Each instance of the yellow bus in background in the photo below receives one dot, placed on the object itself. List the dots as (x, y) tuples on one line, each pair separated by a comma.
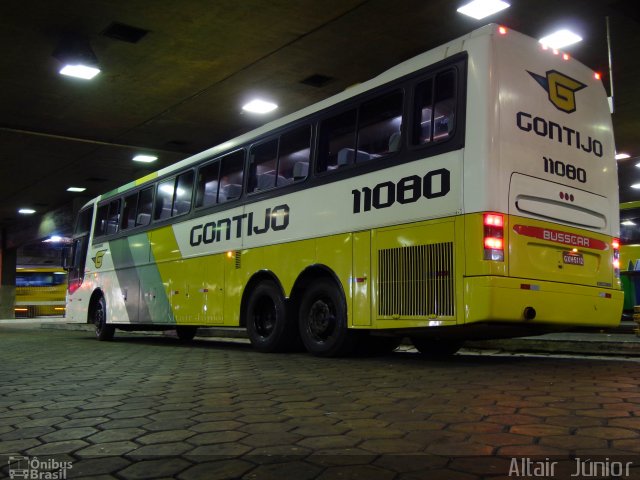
[(630, 253), (40, 292)]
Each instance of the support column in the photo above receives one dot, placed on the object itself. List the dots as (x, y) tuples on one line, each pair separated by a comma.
[(8, 259)]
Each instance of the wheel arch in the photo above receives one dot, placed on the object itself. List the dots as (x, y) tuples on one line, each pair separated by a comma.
[(97, 293), (306, 277)]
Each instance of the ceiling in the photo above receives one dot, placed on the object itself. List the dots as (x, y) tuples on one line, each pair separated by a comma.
[(179, 89)]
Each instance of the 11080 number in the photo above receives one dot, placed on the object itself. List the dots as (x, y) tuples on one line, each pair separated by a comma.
[(561, 169)]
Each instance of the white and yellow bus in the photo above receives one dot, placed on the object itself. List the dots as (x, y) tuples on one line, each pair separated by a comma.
[(469, 191)]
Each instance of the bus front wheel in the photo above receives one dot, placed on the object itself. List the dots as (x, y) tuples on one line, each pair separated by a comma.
[(104, 331), (323, 321), (267, 324)]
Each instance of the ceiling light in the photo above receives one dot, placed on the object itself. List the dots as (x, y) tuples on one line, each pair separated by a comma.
[(26, 211), (145, 158), (560, 39), (628, 223), (76, 189), (479, 9), (259, 106), (636, 186), (622, 156), (77, 57)]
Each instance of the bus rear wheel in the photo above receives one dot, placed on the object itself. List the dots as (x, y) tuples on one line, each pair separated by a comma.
[(104, 331), (186, 333), (267, 324), (323, 321)]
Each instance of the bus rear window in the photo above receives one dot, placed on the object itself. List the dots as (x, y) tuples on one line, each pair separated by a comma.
[(435, 106)]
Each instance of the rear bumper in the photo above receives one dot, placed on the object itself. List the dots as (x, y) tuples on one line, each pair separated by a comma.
[(503, 299)]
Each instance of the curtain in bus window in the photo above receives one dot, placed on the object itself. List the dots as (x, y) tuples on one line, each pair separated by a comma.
[(114, 217), (129, 211), (293, 158), (101, 221), (423, 112), (337, 141), (207, 186), (164, 199), (379, 126), (184, 189), (263, 159), (231, 175), (145, 207), (445, 105)]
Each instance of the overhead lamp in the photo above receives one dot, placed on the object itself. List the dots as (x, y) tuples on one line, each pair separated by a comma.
[(26, 211), (479, 9), (76, 189), (77, 57), (622, 156), (259, 106), (636, 186), (145, 158), (560, 39)]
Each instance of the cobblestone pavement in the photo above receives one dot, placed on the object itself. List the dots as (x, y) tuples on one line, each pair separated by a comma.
[(145, 407)]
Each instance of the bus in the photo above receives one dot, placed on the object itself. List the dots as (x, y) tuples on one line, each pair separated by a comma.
[(630, 254), (40, 291), (469, 192)]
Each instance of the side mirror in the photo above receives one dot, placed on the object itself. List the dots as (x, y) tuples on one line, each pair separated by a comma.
[(67, 257)]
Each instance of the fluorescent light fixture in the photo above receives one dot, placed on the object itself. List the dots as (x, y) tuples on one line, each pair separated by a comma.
[(628, 223), (76, 189), (560, 39), (622, 156), (636, 186), (145, 158), (26, 211), (479, 9), (259, 106), (80, 71)]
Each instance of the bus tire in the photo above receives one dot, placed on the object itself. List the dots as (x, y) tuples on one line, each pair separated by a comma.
[(435, 347), (186, 333), (267, 324), (104, 331), (322, 321)]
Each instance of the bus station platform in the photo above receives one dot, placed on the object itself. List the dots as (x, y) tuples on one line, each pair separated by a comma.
[(148, 407)]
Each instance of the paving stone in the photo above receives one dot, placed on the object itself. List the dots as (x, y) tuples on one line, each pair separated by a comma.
[(148, 469), (69, 434), (220, 470), (216, 437), (111, 449), (97, 468), (17, 446), (55, 448), (383, 446), (203, 427), (289, 470)]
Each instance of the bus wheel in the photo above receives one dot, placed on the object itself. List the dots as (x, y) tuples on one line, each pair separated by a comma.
[(104, 331), (436, 348), (267, 319), (323, 321), (185, 333)]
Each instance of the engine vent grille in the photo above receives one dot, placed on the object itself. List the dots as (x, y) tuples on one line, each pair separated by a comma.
[(416, 281)]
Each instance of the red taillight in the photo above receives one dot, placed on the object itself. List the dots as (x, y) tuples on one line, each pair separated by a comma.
[(73, 286), (493, 237), (502, 30), (615, 244)]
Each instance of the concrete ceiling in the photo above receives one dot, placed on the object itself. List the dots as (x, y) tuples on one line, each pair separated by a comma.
[(179, 89)]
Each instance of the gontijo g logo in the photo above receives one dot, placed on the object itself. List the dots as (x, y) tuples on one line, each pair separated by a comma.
[(561, 89)]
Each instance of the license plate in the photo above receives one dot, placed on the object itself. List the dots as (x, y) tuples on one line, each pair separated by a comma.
[(572, 258)]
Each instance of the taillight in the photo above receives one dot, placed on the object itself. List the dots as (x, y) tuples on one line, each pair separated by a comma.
[(616, 257), (493, 236), (74, 285)]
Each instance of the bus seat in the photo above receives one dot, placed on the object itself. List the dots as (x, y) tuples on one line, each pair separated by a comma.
[(265, 181), (300, 170), (143, 219), (230, 191), (345, 156)]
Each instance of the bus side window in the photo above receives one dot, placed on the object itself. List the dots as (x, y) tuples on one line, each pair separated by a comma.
[(423, 112), (207, 185), (231, 176), (379, 126), (164, 199), (184, 189), (145, 207), (113, 221), (293, 156), (129, 211), (263, 160), (445, 105), (337, 141), (101, 221)]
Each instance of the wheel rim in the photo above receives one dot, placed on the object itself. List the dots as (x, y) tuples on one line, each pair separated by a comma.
[(98, 318), (321, 320), (264, 317)]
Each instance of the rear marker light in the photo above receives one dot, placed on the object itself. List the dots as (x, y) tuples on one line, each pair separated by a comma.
[(493, 238), (615, 244), (526, 286), (605, 295), (502, 30)]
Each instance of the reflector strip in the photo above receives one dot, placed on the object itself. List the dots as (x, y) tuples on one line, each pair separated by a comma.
[(526, 286)]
